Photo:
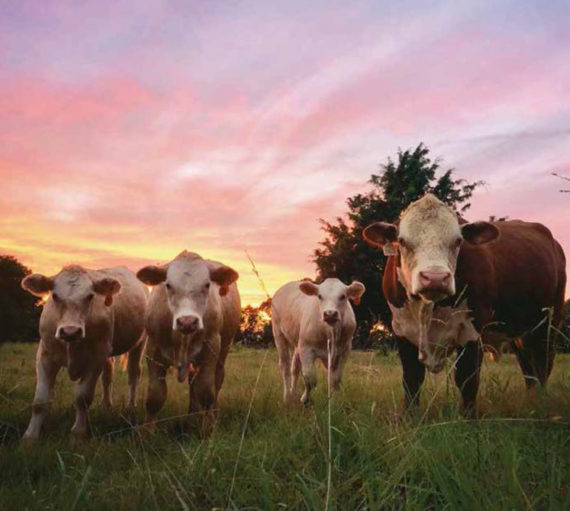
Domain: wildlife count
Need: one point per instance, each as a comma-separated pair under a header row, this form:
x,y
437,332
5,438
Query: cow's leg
x,y
541,351
84,393
467,371
284,357
46,373
295,370
107,381
413,372
523,357
307,358
156,395
134,371
337,368
203,398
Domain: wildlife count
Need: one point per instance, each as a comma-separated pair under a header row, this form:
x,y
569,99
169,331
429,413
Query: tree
x,y
19,312
344,253
255,328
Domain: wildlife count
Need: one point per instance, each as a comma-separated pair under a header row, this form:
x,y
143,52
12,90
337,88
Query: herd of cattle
x,y
449,284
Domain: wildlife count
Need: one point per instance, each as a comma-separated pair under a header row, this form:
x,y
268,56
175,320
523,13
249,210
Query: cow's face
x,y
333,298
429,238
72,293
188,285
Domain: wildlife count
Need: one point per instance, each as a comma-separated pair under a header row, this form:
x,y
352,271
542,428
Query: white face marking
x,y
435,334
72,296
187,288
430,238
333,300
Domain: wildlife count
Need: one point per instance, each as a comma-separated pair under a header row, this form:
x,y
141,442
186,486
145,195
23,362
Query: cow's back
x,y
516,276
289,308
128,309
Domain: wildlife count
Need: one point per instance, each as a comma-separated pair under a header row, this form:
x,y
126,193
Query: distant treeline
x,y
343,254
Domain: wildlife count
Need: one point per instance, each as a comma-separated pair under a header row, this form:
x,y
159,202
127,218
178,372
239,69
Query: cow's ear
x,y
224,276
152,275
355,291
478,233
108,287
309,288
38,285
380,233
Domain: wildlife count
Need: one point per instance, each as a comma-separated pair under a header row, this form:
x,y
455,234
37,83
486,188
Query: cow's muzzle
x,y
187,324
330,317
435,285
70,333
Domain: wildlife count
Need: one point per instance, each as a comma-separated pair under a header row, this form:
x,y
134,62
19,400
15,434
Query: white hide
x,y
435,332
430,224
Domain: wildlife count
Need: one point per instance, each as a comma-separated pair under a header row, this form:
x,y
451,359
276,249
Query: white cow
x,y
89,317
192,318
304,316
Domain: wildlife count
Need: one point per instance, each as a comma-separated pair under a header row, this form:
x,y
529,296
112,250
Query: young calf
x,y
193,315
304,316
89,317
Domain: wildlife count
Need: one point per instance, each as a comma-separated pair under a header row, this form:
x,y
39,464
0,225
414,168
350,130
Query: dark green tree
x,y
344,253
19,312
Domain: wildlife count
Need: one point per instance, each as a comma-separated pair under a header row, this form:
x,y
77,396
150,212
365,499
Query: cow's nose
x,y
330,317
69,333
435,279
187,324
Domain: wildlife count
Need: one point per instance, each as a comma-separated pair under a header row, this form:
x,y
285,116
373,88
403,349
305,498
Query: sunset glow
x,y
133,130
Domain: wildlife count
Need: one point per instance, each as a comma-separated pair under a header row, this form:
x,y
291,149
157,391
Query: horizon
x,y
129,135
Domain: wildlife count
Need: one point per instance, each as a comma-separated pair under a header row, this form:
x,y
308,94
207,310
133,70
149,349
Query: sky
x,y
131,130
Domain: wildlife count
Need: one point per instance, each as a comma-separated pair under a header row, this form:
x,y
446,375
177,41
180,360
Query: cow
x,y
304,317
449,282
89,317
192,317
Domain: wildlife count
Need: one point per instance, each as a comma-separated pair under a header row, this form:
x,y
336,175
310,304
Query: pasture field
x,y
516,457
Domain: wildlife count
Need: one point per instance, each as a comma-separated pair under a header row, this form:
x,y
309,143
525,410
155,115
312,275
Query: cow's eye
x,y
90,297
168,286
457,242
56,297
343,297
403,243
320,296
207,286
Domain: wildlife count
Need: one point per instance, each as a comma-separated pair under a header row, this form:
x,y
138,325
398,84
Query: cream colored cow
x,y
193,315
304,317
89,317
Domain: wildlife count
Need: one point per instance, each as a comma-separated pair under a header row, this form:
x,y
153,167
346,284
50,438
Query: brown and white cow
x,y
192,317
89,317
450,282
304,317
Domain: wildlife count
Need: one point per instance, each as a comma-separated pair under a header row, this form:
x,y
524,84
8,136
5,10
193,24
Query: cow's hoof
x,y
78,437
29,439
469,413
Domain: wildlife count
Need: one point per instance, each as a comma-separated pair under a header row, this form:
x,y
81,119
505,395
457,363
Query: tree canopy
x,y
344,253
19,314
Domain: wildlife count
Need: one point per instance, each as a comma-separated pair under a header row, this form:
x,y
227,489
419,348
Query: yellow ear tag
x,y
390,249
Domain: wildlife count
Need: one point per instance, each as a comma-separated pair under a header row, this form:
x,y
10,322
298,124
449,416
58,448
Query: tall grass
x,y
262,456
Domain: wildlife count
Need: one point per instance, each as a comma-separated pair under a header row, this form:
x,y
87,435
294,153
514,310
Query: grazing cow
x,y
304,316
89,317
192,317
451,282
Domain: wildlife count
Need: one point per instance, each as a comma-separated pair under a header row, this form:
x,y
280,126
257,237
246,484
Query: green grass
x,y
516,457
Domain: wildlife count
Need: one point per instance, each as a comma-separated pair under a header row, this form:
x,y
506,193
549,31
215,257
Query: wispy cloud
x,y
128,133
